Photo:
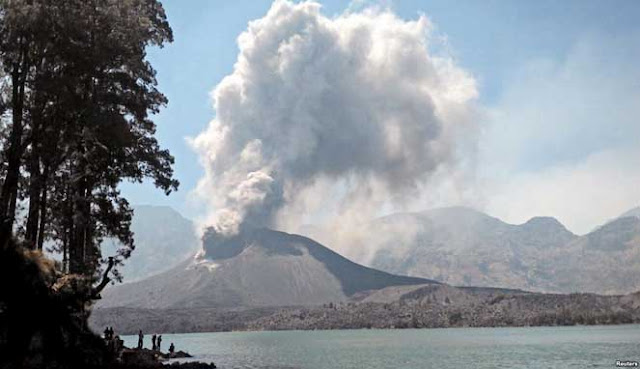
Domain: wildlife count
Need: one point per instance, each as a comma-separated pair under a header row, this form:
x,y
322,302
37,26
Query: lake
x,y
537,347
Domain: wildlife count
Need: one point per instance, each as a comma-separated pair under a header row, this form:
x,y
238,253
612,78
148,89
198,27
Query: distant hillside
x,y
258,267
458,246
163,238
441,306
264,279
606,260
461,246
411,306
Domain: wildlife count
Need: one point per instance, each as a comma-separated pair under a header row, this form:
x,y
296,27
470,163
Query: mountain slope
x,y
258,267
163,238
462,246
606,260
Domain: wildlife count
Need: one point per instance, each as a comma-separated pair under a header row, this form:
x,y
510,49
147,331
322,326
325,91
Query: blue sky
x,y
503,44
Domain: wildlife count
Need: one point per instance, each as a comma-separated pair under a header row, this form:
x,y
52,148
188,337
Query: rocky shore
x,y
149,359
43,321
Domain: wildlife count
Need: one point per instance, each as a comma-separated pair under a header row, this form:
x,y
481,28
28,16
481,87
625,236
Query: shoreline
x,y
394,329
439,311
228,350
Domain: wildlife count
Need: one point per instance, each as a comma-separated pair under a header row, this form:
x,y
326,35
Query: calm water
x,y
540,347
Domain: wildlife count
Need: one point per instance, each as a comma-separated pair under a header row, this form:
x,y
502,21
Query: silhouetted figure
x,y
172,348
140,339
153,342
159,342
108,333
111,342
117,345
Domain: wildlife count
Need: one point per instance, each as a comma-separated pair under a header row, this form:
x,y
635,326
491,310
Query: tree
x,y
82,96
18,28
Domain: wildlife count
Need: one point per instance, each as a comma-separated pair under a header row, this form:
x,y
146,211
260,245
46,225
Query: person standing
x,y
140,339
159,342
153,342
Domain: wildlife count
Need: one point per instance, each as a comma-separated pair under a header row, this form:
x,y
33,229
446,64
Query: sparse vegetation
x,y
424,307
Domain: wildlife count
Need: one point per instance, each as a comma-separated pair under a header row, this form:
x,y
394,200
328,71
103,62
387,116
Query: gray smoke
x,y
324,117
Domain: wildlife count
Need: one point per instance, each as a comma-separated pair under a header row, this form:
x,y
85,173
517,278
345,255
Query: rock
x,y
193,365
176,355
138,357
148,359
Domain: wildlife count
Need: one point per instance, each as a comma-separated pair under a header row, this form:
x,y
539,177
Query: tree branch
x,y
95,292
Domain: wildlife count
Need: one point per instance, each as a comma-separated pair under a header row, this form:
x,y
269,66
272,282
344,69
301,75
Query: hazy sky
x,y
558,100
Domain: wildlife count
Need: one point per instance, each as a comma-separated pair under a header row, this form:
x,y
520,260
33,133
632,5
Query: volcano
x,y
256,267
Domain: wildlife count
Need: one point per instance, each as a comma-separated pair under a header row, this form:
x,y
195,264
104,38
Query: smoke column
x,y
325,117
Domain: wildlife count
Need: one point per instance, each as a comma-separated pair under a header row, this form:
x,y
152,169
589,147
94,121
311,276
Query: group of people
x,y
113,342
116,344
108,333
156,342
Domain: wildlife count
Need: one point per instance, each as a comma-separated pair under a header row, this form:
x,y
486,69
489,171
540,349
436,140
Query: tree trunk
x,y
43,209
76,239
67,223
78,244
65,252
35,200
33,166
9,195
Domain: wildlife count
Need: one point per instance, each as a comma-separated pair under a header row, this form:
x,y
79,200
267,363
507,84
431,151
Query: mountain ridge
x,y
457,246
163,238
264,279
255,268
461,246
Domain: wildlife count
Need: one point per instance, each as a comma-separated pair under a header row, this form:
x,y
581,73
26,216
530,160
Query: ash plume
x,y
324,116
